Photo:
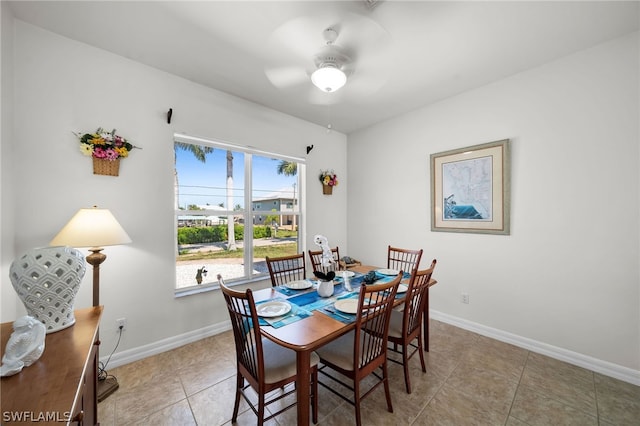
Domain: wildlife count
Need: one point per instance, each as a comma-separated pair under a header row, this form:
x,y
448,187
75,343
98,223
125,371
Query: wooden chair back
x,y
286,269
403,259
406,325
375,303
316,260
263,375
415,301
246,334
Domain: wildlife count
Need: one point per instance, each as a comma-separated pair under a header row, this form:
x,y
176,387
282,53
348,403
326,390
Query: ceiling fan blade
x,y
359,34
299,37
284,77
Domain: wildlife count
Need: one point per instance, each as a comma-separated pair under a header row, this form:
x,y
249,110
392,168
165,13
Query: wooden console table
x,y
61,386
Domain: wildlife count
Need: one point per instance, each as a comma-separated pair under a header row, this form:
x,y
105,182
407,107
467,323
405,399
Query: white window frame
x,y
248,212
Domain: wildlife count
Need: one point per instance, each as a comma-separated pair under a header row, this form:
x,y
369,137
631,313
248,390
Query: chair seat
x,y
339,352
280,362
395,324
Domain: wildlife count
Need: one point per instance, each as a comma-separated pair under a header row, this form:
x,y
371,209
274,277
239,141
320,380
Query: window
x,y
228,212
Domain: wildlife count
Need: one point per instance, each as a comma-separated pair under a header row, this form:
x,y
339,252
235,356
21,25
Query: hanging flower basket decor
x,y
328,179
106,149
106,167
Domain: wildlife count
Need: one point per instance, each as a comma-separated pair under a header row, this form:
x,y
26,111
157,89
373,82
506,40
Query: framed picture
x,y
470,189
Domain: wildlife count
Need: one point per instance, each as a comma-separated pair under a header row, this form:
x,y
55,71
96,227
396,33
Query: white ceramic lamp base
x,y
47,281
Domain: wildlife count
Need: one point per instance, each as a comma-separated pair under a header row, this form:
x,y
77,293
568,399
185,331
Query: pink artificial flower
x,y
111,154
99,152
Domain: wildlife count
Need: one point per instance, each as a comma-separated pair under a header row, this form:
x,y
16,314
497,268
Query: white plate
x,y
347,274
273,309
298,285
348,306
388,271
402,288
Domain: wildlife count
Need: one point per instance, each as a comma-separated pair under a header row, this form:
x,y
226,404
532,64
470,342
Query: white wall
x,y
62,86
8,305
567,276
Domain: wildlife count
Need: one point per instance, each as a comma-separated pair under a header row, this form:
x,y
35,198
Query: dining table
x,y
315,322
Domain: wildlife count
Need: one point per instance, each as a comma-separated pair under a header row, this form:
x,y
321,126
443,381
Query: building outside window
x,y
233,207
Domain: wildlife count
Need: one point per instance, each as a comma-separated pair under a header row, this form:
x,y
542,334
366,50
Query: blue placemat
x,y
290,292
295,314
340,316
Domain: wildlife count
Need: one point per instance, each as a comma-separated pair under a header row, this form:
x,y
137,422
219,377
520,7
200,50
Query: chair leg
x,y
424,368
314,394
356,395
236,406
385,377
405,366
260,409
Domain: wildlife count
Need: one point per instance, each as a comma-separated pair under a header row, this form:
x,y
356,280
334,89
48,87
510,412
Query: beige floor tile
x,y
423,387
450,339
488,388
148,370
175,414
451,406
567,383
509,368
560,369
143,400
214,405
107,412
512,421
341,415
618,401
537,408
501,350
198,376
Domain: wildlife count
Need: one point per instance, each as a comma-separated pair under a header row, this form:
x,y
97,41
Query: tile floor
x,y
470,380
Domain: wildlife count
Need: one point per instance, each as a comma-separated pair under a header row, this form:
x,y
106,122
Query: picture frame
x,y
471,189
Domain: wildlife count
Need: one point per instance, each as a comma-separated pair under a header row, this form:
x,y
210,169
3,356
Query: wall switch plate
x,y
464,298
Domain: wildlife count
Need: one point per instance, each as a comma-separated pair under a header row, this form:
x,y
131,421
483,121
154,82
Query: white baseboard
x,y
603,367
141,352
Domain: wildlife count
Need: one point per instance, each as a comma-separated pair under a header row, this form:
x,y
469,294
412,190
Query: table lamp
x,y
92,228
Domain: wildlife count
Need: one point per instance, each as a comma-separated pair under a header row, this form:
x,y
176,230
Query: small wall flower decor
x,y
106,149
329,179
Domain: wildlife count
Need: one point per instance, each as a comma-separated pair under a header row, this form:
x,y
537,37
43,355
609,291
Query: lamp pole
x,y
95,259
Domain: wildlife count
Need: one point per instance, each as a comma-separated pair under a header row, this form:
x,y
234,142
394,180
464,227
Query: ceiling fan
x,y
333,58
331,63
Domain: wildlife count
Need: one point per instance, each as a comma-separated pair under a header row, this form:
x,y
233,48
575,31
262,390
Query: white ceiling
x,y
408,54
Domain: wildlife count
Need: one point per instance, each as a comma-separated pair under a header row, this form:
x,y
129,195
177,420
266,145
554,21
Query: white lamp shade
x,y
329,78
91,228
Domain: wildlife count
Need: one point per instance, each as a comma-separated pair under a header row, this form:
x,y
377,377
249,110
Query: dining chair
x,y
316,260
362,351
405,326
403,259
265,365
286,269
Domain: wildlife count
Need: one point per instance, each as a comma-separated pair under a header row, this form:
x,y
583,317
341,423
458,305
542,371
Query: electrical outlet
x,y
464,298
121,323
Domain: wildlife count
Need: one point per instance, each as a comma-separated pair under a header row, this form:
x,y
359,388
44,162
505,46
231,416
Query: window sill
x,y
205,288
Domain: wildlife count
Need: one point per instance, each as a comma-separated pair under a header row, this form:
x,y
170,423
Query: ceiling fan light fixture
x,y
328,78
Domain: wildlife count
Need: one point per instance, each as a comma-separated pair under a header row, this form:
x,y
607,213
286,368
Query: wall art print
x,y
470,189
